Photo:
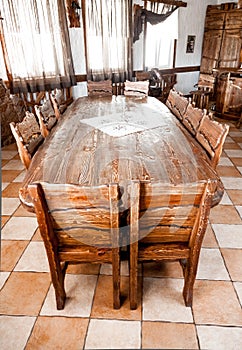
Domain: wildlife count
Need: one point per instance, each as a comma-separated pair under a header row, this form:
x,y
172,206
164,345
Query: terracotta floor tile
x,y
37,236
79,291
211,265
113,334
12,190
226,200
106,269
228,171
222,338
9,175
20,177
4,185
10,253
230,145
240,169
224,214
58,333
215,302
103,301
4,161
21,228
228,236
4,219
235,196
33,259
233,261
15,331
236,161
209,240
21,211
160,292
12,147
8,154
239,210
24,293
161,335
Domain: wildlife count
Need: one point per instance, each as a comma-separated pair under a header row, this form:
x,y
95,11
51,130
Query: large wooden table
x,y
116,139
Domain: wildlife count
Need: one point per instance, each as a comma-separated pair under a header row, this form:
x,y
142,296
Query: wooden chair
x,y
78,224
168,222
136,88
192,118
177,104
211,135
61,99
28,137
46,116
99,88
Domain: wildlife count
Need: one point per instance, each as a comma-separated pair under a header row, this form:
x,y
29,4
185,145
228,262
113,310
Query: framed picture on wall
x,y
190,43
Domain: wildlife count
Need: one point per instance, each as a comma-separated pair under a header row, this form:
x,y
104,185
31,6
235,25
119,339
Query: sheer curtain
x,y
108,39
37,44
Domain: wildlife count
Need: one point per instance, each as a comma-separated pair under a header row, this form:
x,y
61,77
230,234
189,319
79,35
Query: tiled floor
x,y
28,316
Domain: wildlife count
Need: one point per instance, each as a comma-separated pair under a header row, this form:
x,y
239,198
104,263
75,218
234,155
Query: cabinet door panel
x,y
230,49
233,19
211,49
214,20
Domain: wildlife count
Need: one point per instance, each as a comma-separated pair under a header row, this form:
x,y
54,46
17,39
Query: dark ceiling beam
x,y
170,2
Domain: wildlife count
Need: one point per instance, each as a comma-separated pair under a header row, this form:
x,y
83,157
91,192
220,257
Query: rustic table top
x,y
118,139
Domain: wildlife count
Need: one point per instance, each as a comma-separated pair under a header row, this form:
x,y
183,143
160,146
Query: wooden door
x,y
211,50
230,49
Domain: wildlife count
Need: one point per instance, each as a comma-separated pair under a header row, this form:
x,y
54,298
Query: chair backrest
x,y
100,88
61,99
211,135
170,213
46,116
192,118
177,103
79,215
28,137
136,88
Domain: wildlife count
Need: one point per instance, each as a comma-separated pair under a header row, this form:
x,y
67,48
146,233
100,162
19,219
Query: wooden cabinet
x,y
222,39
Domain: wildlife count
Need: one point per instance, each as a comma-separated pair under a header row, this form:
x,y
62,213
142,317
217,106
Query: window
x,y
37,44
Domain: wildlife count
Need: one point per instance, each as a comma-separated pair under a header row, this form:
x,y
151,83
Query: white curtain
x,y
160,42
37,44
108,39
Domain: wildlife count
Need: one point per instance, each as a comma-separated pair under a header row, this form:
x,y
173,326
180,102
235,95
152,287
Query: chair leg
x,y
189,279
57,277
133,276
116,278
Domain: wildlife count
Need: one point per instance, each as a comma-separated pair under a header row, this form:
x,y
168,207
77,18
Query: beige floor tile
x,y
232,183
228,236
58,333
235,196
158,293
239,210
215,302
238,288
79,291
106,269
233,261
85,269
225,200
8,154
235,134
209,240
4,185
225,161
21,211
224,214
33,259
211,265
15,332
228,171
103,301
3,278
10,253
222,338
21,228
9,205
162,269
23,293
161,335
9,175
12,190
113,334
230,145
13,164
20,177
